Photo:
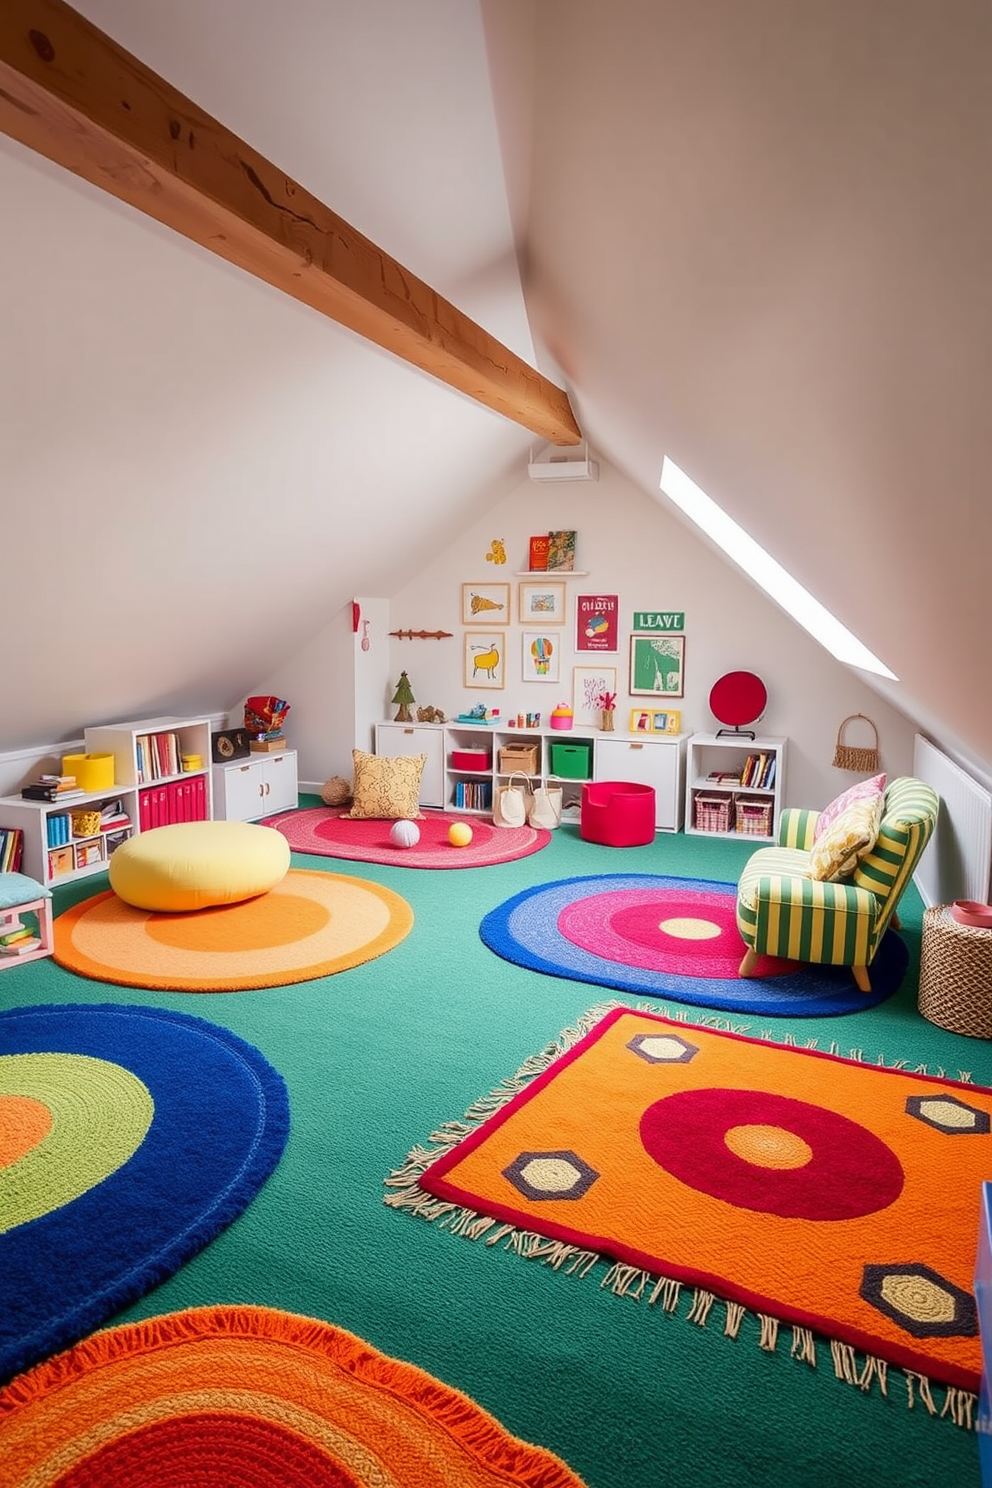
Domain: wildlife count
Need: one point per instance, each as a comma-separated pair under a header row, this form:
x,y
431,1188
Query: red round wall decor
x,y
738,699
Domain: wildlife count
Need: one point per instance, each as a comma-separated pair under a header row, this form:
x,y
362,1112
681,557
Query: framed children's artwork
x,y
485,659
485,604
596,627
651,721
657,664
589,685
542,603
540,656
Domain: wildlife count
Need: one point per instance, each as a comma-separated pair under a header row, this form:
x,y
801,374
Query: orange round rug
x,y
222,1395
310,925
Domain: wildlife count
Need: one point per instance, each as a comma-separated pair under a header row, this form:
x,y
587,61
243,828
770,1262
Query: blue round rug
x,y
131,1137
672,937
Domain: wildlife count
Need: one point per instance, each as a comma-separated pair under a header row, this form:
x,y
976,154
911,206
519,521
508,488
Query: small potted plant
x,y
404,696
607,701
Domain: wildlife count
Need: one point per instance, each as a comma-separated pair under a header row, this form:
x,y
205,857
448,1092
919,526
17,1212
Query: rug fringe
x,y
623,1280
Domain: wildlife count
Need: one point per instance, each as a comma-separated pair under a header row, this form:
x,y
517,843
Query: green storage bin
x,y
572,761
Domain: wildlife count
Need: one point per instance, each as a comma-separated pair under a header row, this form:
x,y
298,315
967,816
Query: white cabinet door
x,y
281,792
239,791
646,762
395,739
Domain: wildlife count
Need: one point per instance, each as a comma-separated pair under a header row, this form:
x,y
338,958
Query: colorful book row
x,y
471,795
181,801
11,849
157,756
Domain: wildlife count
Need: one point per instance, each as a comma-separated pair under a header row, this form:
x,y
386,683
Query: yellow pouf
x,y
459,834
193,865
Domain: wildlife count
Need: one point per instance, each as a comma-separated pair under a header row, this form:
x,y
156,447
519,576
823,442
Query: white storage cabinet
x,y
395,739
248,789
657,761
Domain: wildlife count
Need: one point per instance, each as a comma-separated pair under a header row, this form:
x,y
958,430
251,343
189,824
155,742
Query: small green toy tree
x,y
404,696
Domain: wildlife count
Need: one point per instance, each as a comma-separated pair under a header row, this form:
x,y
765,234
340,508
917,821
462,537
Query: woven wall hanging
x,y
853,757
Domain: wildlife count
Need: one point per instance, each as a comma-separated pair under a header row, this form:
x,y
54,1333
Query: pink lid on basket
x,y
972,912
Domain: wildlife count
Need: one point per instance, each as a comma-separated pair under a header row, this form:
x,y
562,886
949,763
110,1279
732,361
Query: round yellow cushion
x,y
193,865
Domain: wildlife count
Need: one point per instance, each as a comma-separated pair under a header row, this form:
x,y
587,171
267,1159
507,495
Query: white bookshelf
x,y
708,754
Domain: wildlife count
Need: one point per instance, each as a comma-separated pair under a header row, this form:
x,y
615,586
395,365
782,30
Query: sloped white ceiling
x,y
760,241
278,463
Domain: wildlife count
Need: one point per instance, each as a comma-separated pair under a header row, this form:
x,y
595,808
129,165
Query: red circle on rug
x,y
850,1172
214,1448
684,932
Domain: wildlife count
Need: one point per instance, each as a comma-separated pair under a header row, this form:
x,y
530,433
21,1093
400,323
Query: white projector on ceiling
x,y
557,463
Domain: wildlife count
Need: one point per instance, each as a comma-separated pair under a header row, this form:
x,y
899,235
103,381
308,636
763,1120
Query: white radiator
x,y
957,863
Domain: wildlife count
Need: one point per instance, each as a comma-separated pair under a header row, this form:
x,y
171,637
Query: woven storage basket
x,y
851,757
956,974
752,816
711,813
85,823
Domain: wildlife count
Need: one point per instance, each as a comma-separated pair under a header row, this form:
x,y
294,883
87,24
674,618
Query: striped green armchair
x,y
781,911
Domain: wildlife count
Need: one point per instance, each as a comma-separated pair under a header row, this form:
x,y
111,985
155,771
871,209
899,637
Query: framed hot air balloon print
x,y
542,603
485,604
541,656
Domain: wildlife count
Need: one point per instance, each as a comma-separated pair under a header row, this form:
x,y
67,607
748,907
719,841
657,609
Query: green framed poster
x,y
657,666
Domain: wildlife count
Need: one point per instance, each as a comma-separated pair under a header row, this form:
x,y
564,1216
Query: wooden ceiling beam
x,y
68,91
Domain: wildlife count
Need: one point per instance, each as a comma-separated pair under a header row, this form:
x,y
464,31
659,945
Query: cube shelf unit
x,y
727,808
657,761
164,795
53,855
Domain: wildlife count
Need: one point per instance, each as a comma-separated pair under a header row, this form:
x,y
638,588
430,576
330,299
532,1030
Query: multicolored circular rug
x,y
672,937
310,925
327,832
223,1395
130,1137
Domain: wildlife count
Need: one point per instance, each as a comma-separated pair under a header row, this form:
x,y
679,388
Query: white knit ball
x,y
404,834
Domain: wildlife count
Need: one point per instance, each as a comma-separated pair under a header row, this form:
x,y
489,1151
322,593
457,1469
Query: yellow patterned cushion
x,y
386,788
846,841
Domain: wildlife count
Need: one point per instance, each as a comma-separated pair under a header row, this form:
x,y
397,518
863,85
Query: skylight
x,y
764,569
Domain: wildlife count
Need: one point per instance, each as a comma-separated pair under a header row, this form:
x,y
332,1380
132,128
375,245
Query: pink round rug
x,y
326,832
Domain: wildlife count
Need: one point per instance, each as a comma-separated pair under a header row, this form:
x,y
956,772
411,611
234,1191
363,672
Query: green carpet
x,y
379,1055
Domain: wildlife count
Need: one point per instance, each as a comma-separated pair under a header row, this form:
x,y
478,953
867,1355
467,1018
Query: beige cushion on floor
x,y
193,865
386,788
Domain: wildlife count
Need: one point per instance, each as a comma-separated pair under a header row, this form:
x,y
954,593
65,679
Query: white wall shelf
x,y
657,760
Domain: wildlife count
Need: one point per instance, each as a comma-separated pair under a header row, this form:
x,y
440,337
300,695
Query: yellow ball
x,y
459,834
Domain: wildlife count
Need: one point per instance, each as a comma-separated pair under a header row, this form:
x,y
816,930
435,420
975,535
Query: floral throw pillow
x,y
386,789
865,790
837,853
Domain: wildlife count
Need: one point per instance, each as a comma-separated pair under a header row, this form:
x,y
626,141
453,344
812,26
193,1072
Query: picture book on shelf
x,y
561,550
537,553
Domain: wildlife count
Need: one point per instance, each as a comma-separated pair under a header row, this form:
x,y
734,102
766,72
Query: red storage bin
x,y
469,759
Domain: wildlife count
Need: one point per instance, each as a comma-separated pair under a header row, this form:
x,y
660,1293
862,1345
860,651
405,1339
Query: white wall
x,y
633,548
336,690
